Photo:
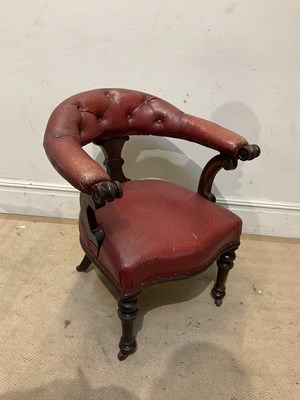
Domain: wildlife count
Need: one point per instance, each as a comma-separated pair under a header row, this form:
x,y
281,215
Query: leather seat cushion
x,y
158,231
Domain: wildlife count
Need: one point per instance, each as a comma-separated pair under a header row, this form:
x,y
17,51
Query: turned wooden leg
x,y
84,265
127,312
225,263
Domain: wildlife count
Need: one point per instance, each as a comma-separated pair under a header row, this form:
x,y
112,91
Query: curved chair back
x,y
102,114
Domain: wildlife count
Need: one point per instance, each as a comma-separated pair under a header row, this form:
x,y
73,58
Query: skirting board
x,y
62,201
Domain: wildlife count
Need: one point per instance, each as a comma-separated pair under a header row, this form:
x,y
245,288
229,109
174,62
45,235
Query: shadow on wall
x,y
157,157
240,119
151,156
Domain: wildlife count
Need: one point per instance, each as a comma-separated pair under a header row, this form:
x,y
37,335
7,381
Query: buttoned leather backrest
x,y
105,113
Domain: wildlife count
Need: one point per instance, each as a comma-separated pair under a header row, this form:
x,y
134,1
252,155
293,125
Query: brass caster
x,y
216,296
79,268
122,356
218,302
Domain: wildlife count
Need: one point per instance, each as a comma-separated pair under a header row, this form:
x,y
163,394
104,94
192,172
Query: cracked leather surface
x,y
105,113
159,231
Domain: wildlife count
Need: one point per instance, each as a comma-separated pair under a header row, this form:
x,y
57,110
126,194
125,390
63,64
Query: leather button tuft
x,y
128,116
146,102
80,109
159,121
107,95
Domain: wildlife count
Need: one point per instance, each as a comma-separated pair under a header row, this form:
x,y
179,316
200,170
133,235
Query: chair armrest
x,y
212,135
102,114
63,145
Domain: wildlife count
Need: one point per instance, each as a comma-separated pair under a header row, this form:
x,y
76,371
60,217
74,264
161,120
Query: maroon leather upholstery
x,y
158,231
104,113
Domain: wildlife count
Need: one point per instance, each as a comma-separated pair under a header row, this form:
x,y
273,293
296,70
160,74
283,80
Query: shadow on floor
x,y
188,373
76,389
201,370
165,293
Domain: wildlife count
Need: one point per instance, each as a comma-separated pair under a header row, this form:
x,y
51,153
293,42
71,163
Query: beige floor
x,y
59,328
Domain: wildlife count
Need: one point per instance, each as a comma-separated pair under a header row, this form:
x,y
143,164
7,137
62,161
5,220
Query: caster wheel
x,y
80,269
218,302
122,356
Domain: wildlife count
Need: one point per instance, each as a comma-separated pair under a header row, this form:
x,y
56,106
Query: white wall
x,y
233,62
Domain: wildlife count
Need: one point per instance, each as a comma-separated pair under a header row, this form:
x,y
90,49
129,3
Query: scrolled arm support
x,y
102,193
247,152
210,171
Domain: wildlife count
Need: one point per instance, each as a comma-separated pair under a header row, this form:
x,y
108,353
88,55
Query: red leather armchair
x,y
145,231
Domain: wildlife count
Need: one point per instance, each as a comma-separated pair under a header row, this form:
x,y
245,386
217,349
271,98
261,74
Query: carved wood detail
x,y
210,171
225,264
249,152
88,207
128,310
102,192
112,149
